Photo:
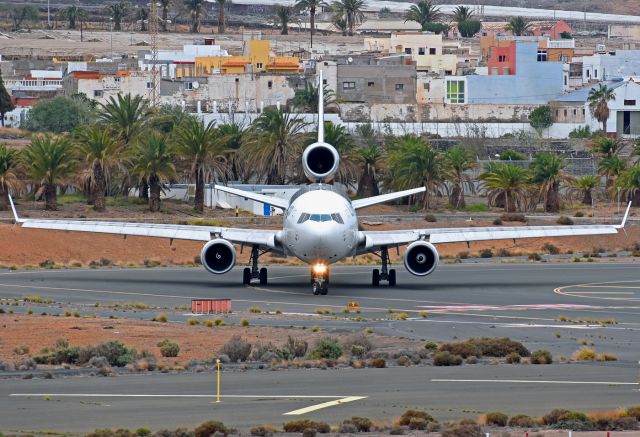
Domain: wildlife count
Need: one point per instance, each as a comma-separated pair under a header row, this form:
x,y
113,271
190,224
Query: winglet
x,y
320,109
13,208
624,219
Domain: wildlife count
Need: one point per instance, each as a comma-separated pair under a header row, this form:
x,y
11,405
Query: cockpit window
x,y
320,218
303,217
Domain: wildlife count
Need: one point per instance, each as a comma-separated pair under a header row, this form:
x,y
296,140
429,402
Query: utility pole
x,y
48,14
153,33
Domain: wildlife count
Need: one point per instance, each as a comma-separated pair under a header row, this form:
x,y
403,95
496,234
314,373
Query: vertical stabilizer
x,y
320,109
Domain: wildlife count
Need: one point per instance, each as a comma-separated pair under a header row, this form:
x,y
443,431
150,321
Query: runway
x,y
544,305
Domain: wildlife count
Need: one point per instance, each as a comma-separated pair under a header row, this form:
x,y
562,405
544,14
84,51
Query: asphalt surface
x,y
546,306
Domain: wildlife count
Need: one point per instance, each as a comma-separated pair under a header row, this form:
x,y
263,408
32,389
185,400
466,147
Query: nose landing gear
x,y
255,272
385,274
320,279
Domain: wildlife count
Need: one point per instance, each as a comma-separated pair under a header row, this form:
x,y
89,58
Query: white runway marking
x,y
324,405
530,381
337,400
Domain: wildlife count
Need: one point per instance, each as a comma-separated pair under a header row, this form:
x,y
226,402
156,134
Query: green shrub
x,y
534,257
513,358
634,412
521,421
564,220
408,415
293,348
497,221
497,419
486,346
362,424
513,217
445,358
208,429
554,416
430,346
327,348
553,250
244,323
162,318
193,322
463,430
236,349
486,253
309,432
302,424
168,348
430,218
143,432
541,357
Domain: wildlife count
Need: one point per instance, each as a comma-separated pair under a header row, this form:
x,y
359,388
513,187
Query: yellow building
x,y
258,59
441,64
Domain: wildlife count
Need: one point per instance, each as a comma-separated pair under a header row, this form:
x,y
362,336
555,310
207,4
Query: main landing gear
x,y
254,272
385,274
320,279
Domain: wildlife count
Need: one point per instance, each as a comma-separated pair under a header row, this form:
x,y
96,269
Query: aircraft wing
x,y
373,240
368,201
269,200
264,238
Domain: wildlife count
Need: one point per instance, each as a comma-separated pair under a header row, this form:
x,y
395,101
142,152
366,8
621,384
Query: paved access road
x,y
546,306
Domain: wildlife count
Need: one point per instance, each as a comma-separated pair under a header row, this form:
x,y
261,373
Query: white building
x,y
173,61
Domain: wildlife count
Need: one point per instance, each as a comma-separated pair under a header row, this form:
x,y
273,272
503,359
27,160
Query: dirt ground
x,y
38,332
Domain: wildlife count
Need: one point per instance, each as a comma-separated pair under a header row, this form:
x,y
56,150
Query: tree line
x,y
126,144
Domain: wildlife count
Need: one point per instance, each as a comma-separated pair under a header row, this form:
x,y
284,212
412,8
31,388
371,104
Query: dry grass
x,y
608,415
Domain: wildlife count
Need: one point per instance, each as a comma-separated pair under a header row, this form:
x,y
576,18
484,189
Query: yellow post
x,y
218,366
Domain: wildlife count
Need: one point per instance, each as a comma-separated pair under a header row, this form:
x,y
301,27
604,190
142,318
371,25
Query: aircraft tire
x,y
263,276
246,276
375,280
392,278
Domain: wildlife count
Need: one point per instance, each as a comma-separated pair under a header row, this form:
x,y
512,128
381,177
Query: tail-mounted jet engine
x,y
218,256
320,161
421,258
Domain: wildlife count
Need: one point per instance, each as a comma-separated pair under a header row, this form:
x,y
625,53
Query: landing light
x,y
319,269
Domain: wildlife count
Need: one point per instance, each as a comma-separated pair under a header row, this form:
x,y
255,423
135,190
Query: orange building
x,y
502,59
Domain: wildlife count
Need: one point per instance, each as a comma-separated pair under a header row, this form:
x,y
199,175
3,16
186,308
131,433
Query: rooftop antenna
x,y
153,33
320,109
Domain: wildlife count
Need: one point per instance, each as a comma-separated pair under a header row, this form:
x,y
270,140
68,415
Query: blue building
x,y
534,82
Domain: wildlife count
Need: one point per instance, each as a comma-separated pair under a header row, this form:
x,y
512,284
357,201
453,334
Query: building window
x,y
565,113
97,93
188,86
502,58
583,112
324,81
556,112
448,72
426,86
564,58
595,73
432,51
116,79
542,56
370,84
575,111
399,86
259,65
407,50
588,73
629,103
149,85
565,80
455,91
348,85
421,51
270,84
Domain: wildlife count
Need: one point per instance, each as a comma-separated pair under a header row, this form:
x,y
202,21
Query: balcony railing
x,y
34,84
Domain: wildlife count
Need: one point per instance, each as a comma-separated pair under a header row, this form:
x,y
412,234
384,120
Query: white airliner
x,y
320,228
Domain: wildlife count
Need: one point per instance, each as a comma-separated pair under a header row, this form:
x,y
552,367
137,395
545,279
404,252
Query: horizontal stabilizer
x,y
269,200
362,203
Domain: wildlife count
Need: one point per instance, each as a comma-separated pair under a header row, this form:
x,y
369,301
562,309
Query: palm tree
x,y
548,173
307,99
606,147
585,187
518,26
277,145
312,6
462,13
341,24
221,5
200,144
283,16
126,115
9,180
50,162
101,151
414,163
164,5
611,168
118,12
233,137
599,103
142,15
72,14
629,184
195,9
370,155
351,11
508,184
152,161
459,161
424,12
